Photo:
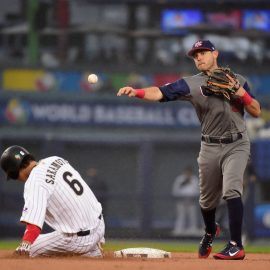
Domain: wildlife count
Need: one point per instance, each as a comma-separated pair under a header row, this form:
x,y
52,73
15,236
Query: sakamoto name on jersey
x,y
52,170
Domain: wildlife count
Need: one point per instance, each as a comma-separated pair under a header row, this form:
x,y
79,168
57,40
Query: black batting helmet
x,y
12,159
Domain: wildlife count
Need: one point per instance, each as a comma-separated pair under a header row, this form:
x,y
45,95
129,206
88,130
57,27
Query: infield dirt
x,y
178,261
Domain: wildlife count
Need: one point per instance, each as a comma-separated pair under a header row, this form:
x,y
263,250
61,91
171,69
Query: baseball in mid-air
x,y
92,78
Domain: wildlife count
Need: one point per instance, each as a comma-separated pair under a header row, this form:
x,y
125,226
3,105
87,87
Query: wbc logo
x,y
198,44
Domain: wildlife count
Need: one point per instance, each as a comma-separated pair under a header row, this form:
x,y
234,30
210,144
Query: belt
x,y
84,233
225,140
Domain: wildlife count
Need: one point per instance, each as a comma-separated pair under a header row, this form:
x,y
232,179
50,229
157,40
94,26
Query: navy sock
x,y
235,212
209,220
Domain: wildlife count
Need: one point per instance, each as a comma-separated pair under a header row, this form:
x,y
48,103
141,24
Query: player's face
x,y
205,60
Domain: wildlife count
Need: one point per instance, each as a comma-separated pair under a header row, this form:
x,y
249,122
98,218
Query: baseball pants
x,y
57,244
221,171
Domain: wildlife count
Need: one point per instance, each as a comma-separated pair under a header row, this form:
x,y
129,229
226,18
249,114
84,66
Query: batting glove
x,y
23,249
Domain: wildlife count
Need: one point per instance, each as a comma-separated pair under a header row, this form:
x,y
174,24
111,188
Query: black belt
x,y
233,138
84,233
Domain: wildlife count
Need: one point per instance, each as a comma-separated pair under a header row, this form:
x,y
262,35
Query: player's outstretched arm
x,y
150,93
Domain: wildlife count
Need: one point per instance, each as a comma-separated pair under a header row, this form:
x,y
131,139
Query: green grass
x,y
9,244
172,246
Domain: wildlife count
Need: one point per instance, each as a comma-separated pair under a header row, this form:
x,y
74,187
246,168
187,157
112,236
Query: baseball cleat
x,y
231,252
205,246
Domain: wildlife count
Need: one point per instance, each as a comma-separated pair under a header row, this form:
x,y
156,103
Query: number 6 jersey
x,y
56,193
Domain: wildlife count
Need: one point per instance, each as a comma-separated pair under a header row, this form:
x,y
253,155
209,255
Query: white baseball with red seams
x,y
56,193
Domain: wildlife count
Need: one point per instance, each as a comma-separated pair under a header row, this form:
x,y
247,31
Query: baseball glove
x,y
219,84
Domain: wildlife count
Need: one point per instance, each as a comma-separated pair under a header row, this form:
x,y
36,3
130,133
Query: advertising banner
x,y
27,111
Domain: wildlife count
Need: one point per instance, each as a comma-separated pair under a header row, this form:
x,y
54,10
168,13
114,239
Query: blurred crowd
x,y
81,33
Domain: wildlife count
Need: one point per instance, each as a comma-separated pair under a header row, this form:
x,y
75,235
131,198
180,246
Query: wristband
x,y
246,99
140,93
31,233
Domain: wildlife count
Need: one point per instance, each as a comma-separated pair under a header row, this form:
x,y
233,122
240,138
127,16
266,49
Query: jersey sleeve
x,y
35,197
176,90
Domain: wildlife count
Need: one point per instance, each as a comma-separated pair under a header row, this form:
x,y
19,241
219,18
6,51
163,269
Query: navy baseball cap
x,y
202,45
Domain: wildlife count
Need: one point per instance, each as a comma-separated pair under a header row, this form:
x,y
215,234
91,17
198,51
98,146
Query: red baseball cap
x,y
201,45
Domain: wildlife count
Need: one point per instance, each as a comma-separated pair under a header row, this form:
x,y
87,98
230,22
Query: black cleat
x,y
205,247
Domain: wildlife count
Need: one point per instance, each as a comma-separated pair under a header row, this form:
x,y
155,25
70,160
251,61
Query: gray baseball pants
x,y
221,171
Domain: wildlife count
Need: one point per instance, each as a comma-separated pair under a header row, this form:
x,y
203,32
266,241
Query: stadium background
x,y
47,49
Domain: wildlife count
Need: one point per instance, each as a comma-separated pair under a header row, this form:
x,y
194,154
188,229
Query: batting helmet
x,y
12,159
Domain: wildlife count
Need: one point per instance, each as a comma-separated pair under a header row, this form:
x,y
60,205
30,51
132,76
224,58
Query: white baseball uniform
x,y
56,193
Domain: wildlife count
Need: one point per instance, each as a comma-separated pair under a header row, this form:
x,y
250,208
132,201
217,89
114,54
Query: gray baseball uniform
x,y
225,147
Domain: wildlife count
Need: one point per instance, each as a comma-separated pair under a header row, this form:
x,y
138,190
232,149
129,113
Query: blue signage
x,y
25,111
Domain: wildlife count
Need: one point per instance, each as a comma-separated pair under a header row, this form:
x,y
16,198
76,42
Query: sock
x,y
209,220
235,212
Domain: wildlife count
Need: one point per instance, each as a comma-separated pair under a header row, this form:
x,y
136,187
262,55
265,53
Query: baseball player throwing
x,y
225,147
54,192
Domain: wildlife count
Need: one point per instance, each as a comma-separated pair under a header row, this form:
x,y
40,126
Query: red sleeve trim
x,y
31,233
